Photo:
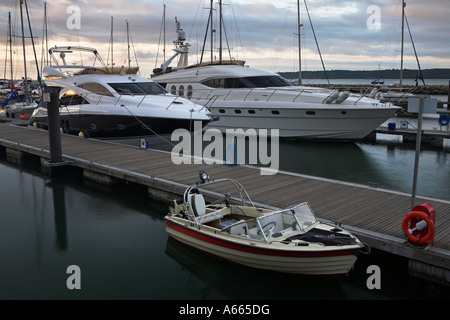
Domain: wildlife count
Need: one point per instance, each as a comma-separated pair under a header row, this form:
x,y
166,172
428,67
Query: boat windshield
x,y
276,224
138,88
248,82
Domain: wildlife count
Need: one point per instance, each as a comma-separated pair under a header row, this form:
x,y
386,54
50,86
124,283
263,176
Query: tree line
x,y
369,74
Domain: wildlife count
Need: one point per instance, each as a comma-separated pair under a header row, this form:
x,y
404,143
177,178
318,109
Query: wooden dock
x,y
429,138
374,215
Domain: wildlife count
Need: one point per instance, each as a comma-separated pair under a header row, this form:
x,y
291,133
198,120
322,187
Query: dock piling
x,y
51,97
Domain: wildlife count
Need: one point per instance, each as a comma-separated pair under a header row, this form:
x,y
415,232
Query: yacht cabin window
x,y
248,82
70,99
138,88
96,88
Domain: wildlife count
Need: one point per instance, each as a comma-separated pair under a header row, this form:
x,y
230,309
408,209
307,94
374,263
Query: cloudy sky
x,y
352,34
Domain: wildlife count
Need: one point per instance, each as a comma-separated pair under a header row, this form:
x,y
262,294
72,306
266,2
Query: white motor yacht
x,y
245,97
114,102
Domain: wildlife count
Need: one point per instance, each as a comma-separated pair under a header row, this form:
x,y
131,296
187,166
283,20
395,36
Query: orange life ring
x,y
422,236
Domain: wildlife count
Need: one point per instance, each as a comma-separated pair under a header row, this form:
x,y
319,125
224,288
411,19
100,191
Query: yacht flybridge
x,y
113,102
245,97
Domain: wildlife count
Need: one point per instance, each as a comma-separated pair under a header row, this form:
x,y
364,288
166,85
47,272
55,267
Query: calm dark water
x,y
117,238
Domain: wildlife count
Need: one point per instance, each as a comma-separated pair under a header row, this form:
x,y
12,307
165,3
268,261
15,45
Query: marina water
x,y
117,239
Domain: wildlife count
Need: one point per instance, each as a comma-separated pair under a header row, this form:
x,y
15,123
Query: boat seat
x,y
210,216
199,208
198,204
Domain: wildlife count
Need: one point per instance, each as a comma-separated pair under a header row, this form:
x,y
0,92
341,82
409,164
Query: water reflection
x,y
59,207
209,277
119,242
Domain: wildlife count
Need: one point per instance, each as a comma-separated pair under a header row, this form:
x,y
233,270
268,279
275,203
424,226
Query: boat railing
x,y
200,191
367,93
98,97
246,94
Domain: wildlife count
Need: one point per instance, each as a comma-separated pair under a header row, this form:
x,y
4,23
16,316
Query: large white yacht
x,y
114,102
245,97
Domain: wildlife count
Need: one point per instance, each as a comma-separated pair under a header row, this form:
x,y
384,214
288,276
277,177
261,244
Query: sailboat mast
x,y
299,44
212,32
164,33
10,49
26,90
46,34
128,45
403,32
220,31
112,43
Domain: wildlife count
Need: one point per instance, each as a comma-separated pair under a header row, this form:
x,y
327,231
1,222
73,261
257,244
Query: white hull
x,y
297,112
302,122
324,262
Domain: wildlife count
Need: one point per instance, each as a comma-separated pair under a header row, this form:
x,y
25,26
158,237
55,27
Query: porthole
x,y
189,92
173,90
310,113
221,110
251,111
181,91
237,111
275,112
344,112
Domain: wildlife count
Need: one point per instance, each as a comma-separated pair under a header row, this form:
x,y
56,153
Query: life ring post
x,y
444,120
419,225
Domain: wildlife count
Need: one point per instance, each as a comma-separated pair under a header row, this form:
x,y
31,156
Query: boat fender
x,y
373,93
342,97
444,120
418,227
366,249
332,97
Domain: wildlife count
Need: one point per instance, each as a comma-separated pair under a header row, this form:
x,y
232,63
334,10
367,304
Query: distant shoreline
x,y
369,74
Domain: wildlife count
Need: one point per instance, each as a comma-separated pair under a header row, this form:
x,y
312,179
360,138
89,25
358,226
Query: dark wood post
x,y
51,97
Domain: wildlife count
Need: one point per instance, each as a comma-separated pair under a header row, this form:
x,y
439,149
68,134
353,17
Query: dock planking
x,y
373,214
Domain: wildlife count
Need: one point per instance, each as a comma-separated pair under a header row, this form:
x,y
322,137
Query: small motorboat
x,y
229,226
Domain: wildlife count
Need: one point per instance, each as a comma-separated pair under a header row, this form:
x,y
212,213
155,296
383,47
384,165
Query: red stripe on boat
x,y
248,248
